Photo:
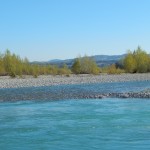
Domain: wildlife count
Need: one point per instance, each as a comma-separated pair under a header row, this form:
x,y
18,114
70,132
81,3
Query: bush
x,y
35,76
64,70
76,67
130,64
53,70
85,65
112,69
137,61
12,75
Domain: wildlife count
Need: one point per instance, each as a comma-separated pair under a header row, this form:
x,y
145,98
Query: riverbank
x,y
130,89
28,81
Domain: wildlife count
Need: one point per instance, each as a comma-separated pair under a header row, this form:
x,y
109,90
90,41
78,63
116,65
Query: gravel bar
x,y
49,80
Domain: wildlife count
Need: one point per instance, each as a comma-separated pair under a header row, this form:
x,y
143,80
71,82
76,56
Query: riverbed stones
x,y
49,80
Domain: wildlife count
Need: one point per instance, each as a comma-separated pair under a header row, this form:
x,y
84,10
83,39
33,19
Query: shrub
x,y
12,75
85,65
53,70
137,61
76,67
64,70
113,70
130,64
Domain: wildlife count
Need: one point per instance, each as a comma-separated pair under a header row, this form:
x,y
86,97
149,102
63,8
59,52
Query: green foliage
x,y
137,61
13,65
53,70
112,69
142,60
130,63
12,74
35,71
64,70
76,67
85,65
2,69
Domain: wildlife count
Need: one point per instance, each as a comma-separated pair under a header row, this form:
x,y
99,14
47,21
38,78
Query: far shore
x,y
49,80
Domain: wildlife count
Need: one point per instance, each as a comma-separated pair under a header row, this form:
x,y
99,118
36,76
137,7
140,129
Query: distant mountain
x,y
107,57
101,60
106,60
55,60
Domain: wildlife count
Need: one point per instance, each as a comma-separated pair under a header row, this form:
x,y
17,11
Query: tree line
x,y
13,65
137,61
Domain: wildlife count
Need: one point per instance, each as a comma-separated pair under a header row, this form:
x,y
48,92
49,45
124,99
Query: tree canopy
x,y
137,61
85,65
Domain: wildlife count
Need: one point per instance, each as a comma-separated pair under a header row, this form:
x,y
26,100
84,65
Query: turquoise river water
x,y
107,124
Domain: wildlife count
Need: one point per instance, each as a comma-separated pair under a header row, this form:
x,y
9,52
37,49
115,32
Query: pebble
x,y
49,80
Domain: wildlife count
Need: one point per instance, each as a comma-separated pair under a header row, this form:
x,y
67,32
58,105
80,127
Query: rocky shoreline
x,y
119,95
75,87
131,95
48,95
28,81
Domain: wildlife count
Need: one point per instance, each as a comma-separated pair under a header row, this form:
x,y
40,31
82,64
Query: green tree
x,y
138,61
88,66
7,61
112,69
2,69
130,64
142,60
76,67
85,65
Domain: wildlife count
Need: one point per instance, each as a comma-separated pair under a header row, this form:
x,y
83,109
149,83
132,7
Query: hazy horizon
x,y
75,57
63,29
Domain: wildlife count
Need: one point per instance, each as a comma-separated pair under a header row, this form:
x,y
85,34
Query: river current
x,y
41,122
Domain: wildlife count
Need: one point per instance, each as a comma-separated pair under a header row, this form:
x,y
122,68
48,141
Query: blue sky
x,y
48,29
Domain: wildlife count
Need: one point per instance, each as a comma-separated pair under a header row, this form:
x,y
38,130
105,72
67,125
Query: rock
x,y
124,95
